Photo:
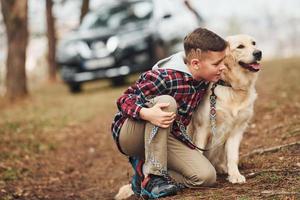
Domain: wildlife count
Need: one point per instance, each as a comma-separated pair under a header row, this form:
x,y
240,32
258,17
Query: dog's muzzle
x,y
254,66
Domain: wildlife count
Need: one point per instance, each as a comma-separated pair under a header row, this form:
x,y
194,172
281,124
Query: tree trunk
x,y
51,41
84,8
15,19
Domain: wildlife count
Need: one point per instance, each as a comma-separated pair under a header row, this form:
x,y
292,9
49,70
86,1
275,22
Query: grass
x,y
243,198
270,178
7,197
27,127
53,107
10,174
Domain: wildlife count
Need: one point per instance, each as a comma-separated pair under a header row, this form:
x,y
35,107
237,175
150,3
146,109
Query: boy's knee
x,y
210,177
203,177
168,99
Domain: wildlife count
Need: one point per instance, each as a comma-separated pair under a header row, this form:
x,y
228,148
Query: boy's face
x,y
209,67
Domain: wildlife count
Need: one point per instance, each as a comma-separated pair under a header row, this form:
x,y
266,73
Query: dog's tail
x,y
124,192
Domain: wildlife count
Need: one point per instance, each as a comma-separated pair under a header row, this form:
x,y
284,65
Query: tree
x,y
84,8
15,20
51,41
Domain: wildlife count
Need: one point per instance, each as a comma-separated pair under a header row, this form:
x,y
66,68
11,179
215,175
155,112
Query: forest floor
x,y
55,145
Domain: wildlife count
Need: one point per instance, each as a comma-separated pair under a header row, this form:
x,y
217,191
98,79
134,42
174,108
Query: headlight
x,y
78,47
112,43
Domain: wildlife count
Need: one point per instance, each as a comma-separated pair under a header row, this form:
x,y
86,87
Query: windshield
x,y
117,15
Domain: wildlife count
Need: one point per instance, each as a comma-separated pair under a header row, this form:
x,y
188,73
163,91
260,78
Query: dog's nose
x,y
257,54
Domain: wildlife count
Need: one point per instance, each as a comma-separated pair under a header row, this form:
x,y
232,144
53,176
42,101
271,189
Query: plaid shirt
x,y
187,92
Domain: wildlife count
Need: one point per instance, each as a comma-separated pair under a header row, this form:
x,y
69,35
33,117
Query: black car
x,y
122,38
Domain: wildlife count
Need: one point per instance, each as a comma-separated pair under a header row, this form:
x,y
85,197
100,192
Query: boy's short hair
x,y
203,39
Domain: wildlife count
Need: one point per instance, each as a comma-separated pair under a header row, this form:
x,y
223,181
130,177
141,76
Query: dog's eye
x,y
241,46
254,43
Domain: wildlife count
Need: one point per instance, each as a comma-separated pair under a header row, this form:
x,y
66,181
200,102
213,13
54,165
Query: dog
x,y
234,108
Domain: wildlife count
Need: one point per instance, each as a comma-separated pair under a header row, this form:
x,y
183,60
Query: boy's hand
x,y
156,116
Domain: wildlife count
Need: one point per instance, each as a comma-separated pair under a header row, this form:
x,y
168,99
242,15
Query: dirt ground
x,y
85,164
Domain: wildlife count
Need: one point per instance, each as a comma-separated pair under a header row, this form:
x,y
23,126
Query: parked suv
x,y
122,38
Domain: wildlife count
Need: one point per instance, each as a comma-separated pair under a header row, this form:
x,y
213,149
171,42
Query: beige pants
x,y
163,152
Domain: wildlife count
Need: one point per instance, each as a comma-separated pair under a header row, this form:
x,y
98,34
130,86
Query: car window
x,y
118,15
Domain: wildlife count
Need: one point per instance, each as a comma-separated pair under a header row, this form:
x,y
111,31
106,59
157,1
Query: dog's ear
x,y
229,61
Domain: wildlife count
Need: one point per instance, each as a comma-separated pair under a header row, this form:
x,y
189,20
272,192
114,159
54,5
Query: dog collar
x,y
213,112
213,101
223,83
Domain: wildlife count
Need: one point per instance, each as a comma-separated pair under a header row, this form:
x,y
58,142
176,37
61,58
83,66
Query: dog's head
x,y
244,52
242,61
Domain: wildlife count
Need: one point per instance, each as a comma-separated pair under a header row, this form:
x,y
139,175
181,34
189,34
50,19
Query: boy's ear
x,y
195,63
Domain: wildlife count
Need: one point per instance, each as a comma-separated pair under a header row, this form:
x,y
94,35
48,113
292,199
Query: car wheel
x,y
118,81
75,87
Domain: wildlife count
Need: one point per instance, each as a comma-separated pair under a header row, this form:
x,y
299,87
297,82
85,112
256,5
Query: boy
x,y
150,126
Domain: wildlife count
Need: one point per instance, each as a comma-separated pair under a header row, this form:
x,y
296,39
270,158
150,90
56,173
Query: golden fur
x,y
234,109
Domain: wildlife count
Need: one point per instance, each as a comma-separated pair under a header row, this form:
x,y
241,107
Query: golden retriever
x,y
234,108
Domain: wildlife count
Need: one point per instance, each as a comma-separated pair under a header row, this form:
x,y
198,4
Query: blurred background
x,y
55,120
119,47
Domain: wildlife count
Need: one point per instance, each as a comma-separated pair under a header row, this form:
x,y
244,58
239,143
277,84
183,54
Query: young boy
x,y
150,126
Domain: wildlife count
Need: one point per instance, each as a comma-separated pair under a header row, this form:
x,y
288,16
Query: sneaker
x,y
138,177
154,186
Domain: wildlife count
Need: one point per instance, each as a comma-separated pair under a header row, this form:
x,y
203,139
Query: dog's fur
x,y
234,107
234,110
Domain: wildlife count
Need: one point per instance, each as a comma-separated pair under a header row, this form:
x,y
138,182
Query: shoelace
x,y
170,180
155,181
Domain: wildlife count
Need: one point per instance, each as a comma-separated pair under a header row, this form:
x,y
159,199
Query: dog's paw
x,y
236,178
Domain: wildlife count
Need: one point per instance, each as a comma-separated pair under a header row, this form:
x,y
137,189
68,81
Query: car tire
x,y
75,87
118,81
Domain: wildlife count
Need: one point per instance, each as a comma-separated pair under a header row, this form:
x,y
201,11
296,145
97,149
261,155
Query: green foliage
x,y
10,174
269,177
27,128
243,198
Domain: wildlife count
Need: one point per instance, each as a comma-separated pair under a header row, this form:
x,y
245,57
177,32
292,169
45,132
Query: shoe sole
x,y
148,195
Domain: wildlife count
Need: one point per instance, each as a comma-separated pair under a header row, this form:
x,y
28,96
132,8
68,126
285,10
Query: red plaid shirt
x,y
187,92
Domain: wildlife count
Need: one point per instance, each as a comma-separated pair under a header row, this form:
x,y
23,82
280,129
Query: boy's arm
x,y
132,103
156,116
